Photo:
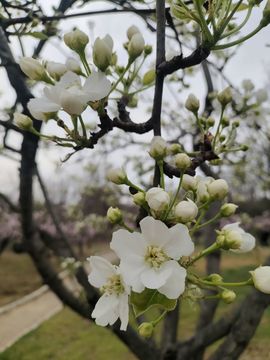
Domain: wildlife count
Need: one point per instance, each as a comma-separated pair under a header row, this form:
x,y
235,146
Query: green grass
x,y
68,337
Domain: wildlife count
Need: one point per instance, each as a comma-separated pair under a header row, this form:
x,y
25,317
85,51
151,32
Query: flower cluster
x,y
156,264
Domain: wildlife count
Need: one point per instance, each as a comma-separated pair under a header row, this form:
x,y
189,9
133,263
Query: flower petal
x,y
131,271
101,270
123,311
127,244
155,278
154,231
105,306
175,285
247,244
180,243
97,86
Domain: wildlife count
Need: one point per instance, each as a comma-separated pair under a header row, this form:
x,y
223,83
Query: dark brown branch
x,y
10,204
29,18
179,62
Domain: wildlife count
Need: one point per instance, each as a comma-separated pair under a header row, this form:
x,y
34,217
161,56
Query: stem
x,y
199,123
216,217
218,128
121,76
83,126
155,322
233,31
129,183
205,29
85,63
161,171
236,42
229,284
204,252
175,196
126,227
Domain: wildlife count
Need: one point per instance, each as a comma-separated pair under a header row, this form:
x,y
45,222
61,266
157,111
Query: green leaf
x,y
148,299
37,34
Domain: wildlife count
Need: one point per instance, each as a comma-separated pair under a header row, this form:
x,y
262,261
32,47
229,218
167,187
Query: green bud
x,y
225,97
228,209
149,77
146,329
23,122
174,149
117,176
244,147
266,15
76,40
182,161
210,122
139,198
148,49
236,123
114,215
225,121
192,104
215,278
228,296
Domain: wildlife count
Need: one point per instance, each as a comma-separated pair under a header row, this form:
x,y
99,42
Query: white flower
x,y
73,65
102,52
132,30
218,189
68,94
186,211
261,279
236,239
136,45
157,199
158,148
32,68
202,192
150,259
55,69
189,182
113,304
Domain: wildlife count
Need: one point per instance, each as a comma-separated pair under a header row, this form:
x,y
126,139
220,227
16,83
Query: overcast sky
x,y
252,61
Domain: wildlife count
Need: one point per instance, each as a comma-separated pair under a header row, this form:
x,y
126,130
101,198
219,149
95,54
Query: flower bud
x,y
210,122
228,209
146,329
247,85
158,148
76,40
117,176
23,122
132,30
233,237
218,189
261,279
228,296
114,215
148,50
202,193
136,46
266,15
174,149
189,183
32,68
182,161
157,199
192,103
215,278
186,211
225,96
55,69
73,65
139,198
102,52
149,77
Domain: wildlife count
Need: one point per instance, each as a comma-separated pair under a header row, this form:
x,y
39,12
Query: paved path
x,y
26,314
